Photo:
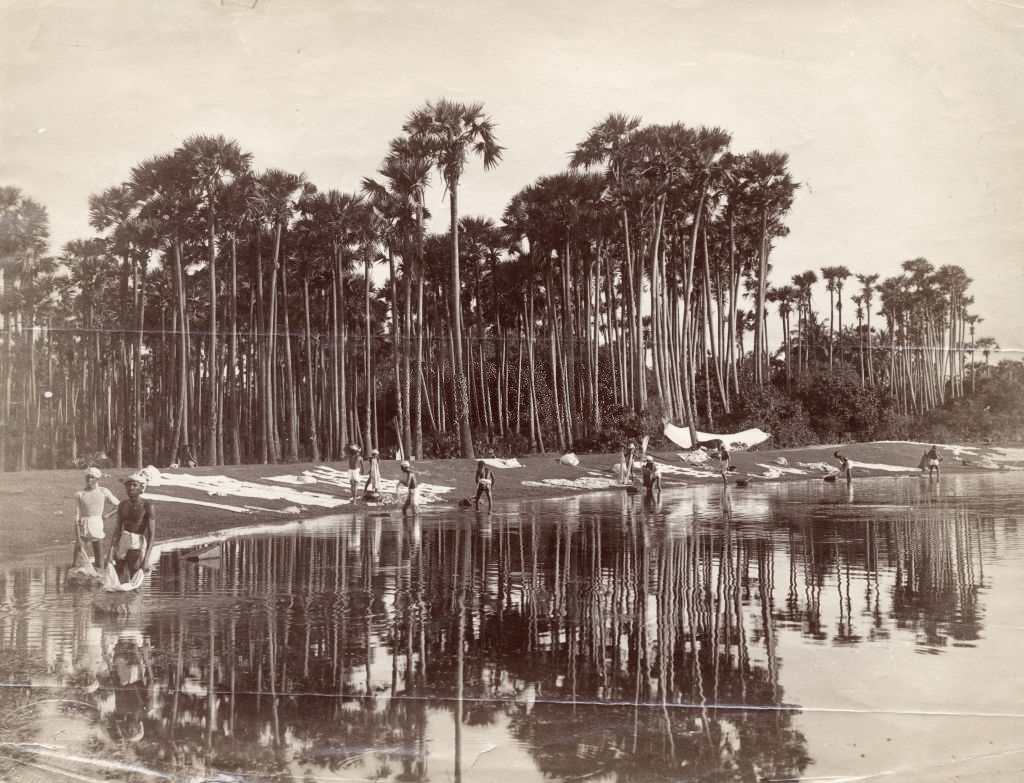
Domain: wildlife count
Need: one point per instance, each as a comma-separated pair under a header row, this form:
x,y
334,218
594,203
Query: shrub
x,y
774,411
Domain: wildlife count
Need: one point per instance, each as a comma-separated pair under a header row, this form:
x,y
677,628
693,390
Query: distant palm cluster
x,y
240,313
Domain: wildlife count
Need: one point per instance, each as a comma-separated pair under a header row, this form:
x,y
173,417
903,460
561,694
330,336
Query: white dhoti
x,y
129,541
91,528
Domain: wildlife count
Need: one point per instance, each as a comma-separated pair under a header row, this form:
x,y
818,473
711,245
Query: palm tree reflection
x,y
642,645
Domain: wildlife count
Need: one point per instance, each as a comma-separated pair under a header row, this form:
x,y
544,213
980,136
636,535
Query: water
x,y
784,632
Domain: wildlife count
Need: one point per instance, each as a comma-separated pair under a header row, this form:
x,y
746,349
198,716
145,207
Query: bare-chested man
x,y
136,528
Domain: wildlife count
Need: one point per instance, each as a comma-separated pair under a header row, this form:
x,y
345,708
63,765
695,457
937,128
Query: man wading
x,y
89,516
136,527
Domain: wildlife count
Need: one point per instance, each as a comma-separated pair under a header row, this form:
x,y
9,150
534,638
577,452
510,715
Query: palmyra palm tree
x,y
167,203
210,163
450,131
400,197
834,277
867,292
972,323
771,189
987,345
610,144
277,197
804,284
785,296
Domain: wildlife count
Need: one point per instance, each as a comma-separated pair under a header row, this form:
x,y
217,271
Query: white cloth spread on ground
x,y
737,440
223,486
496,462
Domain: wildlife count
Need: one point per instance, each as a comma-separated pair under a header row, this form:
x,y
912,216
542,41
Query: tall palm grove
x,y
251,316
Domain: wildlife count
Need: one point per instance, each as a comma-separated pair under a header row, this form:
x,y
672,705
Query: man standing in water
x,y
934,458
89,516
651,476
845,466
484,482
412,499
723,462
136,528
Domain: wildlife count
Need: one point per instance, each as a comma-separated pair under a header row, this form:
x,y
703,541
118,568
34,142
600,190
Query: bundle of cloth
x,y
107,579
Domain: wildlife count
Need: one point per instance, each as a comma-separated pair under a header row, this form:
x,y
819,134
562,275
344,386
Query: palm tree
x,y
131,238
987,346
785,296
450,131
867,291
406,173
804,283
834,277
212,162
278,194
167,202
24,232
771,189
610,143
972,323
88,266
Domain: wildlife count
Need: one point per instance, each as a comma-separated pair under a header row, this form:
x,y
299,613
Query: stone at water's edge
x,y
120,604
82,580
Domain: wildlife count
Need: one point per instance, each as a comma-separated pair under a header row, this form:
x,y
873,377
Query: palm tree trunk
x,y
212,372
262,343
418,402
137,387
233,391
368,390
314,443
461,389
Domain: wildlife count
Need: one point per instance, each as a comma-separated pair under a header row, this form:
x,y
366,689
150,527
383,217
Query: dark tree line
x,y
257,318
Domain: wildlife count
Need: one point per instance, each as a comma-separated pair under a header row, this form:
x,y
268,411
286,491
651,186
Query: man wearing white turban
x,y
136,527
89,516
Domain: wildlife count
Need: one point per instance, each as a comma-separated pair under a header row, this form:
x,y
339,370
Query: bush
x,y
771,409
840,409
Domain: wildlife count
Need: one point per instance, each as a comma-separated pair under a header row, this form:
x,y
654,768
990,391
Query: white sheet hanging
x,y
738,440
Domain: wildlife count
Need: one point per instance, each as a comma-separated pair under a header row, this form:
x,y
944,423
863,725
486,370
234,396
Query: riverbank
x,y
36,508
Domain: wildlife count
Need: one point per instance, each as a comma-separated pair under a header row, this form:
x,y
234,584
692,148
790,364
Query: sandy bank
x,y
36,511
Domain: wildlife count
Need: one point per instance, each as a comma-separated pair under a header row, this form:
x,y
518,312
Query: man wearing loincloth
x,y
89,516
136,528
412,498
845,467
484,482
651,476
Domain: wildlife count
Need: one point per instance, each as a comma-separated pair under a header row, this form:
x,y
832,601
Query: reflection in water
x,y
620,639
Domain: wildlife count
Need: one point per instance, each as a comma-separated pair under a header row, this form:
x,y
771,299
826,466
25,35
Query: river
x,y
794,631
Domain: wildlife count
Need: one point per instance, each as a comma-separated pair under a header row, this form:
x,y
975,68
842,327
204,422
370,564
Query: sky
x,y
904,121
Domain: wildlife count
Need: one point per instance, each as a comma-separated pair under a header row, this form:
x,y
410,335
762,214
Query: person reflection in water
x,y
129,680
